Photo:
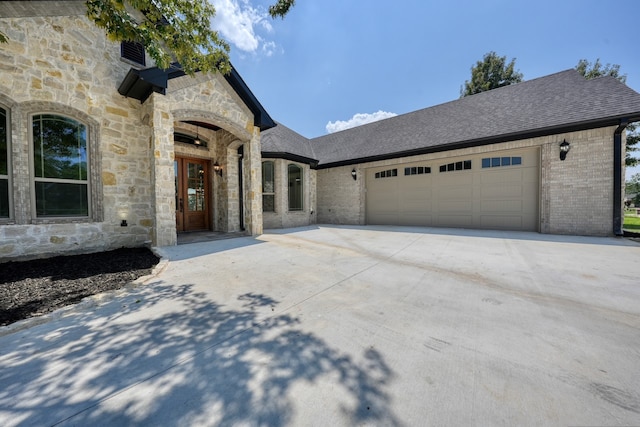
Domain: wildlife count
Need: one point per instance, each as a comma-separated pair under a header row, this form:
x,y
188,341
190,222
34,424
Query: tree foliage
x,y
170,30
632,187
596,69
491,73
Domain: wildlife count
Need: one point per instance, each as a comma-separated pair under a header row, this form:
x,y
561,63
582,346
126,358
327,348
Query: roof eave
x,y
552,130
289,156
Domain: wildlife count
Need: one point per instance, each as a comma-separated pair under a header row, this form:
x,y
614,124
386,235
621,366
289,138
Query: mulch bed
x,y
32,288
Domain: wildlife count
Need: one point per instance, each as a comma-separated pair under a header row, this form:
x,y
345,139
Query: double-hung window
x,y
60,166
4,165
268,187
295,187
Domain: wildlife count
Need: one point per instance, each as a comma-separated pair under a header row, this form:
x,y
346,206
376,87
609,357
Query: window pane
x,y
394,172
56,199
267,177
407,171
467,164
268,203
506,161
4,198
450,166
495,162
443,168
458,166
295,188
486,162
516,160
3,142
59,147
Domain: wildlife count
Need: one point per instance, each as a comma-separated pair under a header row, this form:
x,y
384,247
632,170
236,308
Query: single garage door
x,y
498,190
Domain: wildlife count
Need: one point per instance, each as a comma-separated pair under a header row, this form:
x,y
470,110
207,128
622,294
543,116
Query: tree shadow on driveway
x,y
167,355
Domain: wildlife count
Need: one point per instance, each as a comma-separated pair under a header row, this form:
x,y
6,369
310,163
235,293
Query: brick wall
x,y
282,217
576,195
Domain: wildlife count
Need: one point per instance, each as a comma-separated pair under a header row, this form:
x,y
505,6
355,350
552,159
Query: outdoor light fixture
x,y
197,140
354,175
564,149
123,223
217,168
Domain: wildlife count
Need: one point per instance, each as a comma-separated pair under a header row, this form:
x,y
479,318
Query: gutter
x,y
617,178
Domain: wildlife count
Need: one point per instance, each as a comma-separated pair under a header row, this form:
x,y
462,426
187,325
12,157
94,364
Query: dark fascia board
x,y
574,127
140,84
260,116
290,156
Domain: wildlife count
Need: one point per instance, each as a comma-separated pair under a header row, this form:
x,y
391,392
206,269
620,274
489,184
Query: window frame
x,y
273,178
300,189
8,176
94,205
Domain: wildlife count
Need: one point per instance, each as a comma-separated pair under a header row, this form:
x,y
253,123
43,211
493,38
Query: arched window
x,y
268,187
4,165
295,187
60,166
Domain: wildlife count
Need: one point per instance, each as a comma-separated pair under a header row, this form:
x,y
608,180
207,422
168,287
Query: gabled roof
x,y
560,102
140,84
282,142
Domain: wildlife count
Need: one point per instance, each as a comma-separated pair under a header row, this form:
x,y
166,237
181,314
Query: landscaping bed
x,y
36,287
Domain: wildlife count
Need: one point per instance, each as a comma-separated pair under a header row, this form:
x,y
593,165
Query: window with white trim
x,y
60,167
268,187
4,165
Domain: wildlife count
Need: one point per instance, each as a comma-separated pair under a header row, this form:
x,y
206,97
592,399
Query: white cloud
x,y
357,120
237,21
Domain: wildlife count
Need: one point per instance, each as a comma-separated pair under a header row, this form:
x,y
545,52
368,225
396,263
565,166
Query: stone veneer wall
x,y
576,195
65,65
282,217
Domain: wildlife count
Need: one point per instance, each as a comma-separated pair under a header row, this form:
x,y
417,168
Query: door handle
x,y
181,205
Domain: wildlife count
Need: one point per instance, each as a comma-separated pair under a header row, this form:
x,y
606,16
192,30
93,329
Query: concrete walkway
x,y
341,326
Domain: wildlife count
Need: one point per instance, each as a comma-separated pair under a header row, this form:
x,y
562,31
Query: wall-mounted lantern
x,y
564,149
217,168
354,174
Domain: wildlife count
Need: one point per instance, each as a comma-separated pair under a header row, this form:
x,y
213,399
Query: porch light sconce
x,y
217,168
564,149
354,175
123,223
197,140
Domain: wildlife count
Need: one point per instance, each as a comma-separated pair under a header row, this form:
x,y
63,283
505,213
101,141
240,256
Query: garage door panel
x,y
503,222
421,219
455,221
503,195
505,205
506,190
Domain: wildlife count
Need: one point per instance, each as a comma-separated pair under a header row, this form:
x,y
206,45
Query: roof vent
x,y
133,51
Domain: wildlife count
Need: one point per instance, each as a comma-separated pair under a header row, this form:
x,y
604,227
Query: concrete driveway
x,y
349,326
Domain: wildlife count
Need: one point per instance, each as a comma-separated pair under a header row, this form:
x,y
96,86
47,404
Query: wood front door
x,y
192,194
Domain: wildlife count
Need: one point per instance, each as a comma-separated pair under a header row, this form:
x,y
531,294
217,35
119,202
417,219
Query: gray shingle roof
x,y
555,103
281,139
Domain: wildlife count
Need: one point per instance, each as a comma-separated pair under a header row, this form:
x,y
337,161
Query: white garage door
x,y
498,190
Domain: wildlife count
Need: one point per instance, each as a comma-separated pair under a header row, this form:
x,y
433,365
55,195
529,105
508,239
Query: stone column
x,y
253,184
162,172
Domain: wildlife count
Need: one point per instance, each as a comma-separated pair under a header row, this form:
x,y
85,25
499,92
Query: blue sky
x,y
333,63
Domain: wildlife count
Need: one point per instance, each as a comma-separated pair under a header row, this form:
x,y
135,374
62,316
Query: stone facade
x,y
65,65
576,195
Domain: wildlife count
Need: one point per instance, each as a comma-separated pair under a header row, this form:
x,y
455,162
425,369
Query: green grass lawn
x,y
631,222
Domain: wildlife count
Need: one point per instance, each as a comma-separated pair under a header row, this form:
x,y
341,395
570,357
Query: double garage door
x,y
496,190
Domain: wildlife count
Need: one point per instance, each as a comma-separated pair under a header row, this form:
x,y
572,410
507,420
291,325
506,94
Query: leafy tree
x,y
633,187
170,30
491,73
591,71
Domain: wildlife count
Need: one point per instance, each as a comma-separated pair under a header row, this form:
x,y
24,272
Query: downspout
x,y
241,186
617,178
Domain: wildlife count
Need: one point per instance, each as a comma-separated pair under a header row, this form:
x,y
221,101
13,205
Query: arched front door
x,y
192,194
